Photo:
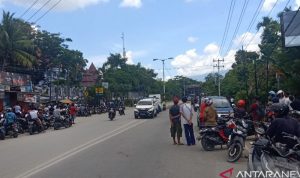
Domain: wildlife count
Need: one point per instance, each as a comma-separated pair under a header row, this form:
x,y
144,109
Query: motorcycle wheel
x,y
235,151
2,136
15,134
207,145
55,126
30,130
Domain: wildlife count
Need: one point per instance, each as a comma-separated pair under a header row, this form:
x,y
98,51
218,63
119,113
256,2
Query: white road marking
x,y
82,147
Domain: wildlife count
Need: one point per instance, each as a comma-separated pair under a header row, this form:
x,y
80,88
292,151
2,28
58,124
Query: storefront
x,y
15,88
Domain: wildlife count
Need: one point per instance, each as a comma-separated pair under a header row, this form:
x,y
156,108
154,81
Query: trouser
x,y
189,134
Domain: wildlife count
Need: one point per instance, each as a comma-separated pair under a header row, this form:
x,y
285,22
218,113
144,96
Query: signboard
x,y
105,85
30,98
7,78
289,28
99,90
86,93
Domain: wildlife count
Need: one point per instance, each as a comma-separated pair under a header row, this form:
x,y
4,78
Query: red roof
x,y
90,76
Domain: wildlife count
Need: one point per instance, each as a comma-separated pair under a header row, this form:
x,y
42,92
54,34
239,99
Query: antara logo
x,y
226,174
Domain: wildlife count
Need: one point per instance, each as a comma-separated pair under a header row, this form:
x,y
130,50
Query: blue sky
x,y
190,31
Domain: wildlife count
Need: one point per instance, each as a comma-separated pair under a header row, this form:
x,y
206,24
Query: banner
x,y
14,79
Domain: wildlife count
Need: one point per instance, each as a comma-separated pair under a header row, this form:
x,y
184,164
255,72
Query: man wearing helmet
x,y
210,113
240,111
10,117
282,123
280,95
175,120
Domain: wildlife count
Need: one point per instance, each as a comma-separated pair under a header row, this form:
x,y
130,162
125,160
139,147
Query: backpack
x,y
260,112
9,118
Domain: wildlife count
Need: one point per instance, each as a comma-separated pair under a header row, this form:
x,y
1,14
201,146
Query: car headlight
x,y
136,110
151,109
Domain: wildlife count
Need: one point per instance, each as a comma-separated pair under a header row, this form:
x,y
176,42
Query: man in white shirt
x,y
187,116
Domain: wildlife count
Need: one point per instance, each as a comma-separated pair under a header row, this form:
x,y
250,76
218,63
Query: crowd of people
x,y
276,112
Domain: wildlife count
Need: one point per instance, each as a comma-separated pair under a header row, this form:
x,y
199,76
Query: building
x,y
91,76
15,88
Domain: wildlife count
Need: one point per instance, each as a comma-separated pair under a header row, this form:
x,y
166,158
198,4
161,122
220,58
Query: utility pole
x,y
255,77
164,84
219,66
124,51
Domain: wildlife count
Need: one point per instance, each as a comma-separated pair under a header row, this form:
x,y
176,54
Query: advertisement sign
x,y
99,90
105,85
7,78
30,98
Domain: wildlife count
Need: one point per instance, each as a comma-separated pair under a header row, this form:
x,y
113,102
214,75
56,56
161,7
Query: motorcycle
x,y
33,125
267,156
2,129
62,121
111,114
121,111
219,135
12,130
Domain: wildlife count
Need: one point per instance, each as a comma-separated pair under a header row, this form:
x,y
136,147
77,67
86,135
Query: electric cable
x,y
47,11
38,10
29,8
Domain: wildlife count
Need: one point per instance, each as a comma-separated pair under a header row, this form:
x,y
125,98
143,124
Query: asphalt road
x,y
98,148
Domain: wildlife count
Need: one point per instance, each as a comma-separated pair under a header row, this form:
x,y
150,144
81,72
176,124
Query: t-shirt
x,y
73,110
175,111
186,110
33,114
18,109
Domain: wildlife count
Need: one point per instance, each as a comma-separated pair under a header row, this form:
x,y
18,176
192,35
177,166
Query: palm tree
x,y
16,43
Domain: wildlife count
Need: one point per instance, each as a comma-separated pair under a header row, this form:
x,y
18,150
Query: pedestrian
x,y
210,113
175,120
280,95
256,110
73,111
187,114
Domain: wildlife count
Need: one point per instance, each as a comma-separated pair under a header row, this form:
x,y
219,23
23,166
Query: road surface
x,y
98,148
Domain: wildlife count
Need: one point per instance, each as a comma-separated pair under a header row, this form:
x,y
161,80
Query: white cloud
x,y
192,39
297,4
97,60
63,5
131,3
192,63
211,48
134,55
268,4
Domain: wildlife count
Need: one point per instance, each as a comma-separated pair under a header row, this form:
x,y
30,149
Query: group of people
x,y
280,104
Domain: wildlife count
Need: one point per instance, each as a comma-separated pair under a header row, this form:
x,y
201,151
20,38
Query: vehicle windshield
x,y
143,103
221,103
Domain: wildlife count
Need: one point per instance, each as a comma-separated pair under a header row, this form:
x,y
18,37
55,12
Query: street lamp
x,y
163,61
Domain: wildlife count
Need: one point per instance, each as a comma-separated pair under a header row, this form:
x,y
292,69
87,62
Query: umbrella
x,y
66,101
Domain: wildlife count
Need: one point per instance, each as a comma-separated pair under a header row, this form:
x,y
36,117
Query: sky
x,y
189,31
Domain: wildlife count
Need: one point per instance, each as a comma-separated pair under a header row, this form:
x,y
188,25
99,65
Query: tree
x,y
16,46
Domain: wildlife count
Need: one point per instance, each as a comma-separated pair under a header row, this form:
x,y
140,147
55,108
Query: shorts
x,y
176,129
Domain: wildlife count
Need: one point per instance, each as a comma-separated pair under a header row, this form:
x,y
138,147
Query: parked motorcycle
x,y
12,130
111,114
218,135
121,111
62,121
266,155
2,129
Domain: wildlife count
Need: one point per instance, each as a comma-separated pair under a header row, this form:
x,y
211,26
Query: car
x,y
222,106
145,108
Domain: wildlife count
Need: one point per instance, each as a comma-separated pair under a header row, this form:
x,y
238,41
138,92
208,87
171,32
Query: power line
x,y
228,21
48,11
238,24
267,16
255,15
29,8
38,10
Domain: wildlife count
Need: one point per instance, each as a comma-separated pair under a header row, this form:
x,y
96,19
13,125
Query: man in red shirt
x,y
73,112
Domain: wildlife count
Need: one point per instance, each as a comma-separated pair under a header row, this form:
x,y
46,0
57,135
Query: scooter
x,y
111,114
121,111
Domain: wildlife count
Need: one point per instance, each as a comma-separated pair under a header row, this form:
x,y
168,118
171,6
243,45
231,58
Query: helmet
x,y
279,92
208,101
272,93
279,109
241,103
9,109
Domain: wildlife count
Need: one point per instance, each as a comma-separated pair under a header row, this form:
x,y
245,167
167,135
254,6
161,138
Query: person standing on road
x,y
73,112
210,114
175,120
187,114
